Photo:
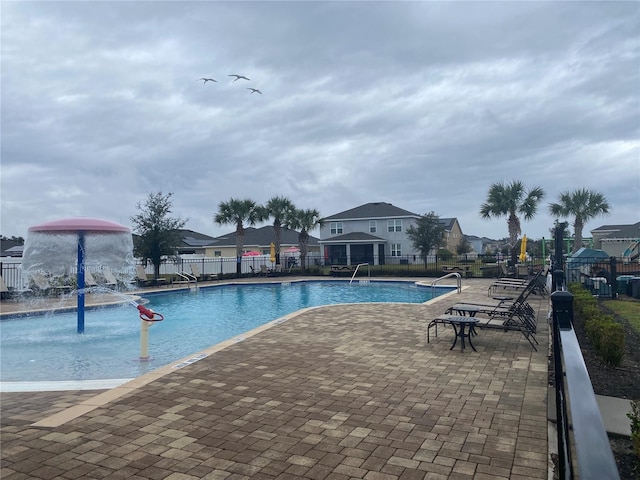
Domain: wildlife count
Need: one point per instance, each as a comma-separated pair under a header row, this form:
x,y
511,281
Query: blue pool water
x,y
47,348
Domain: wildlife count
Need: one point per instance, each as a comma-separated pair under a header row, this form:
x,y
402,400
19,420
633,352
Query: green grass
x,y
628,309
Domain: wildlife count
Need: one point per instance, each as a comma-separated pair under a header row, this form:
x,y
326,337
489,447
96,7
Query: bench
x,y
341,270
466,270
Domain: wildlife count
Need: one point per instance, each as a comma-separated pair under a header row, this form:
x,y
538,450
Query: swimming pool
x,y
47,348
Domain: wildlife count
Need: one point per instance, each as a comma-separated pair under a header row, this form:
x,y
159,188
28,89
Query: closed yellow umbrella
x,y
272,252
523,249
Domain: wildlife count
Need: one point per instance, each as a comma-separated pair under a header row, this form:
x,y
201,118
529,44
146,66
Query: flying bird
x,y
238,77
206,80
254,90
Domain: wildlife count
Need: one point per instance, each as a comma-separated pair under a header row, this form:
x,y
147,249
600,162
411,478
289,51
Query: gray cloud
x,y
421,104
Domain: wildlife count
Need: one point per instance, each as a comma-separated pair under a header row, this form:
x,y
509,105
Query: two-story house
x,y
618,240
376,233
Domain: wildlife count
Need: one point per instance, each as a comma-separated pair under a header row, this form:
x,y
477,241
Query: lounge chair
x,y
264,270
89,281
109,279
4,290
40,284
145,281
514,314
201,277
7,292
502,285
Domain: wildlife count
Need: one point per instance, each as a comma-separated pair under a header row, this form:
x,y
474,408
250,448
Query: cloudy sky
x,y
420,104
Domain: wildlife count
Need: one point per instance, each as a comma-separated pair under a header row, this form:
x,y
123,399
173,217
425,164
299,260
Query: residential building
x,y
617,240
452,234
476,243
258,240
376,233
195,243
11,248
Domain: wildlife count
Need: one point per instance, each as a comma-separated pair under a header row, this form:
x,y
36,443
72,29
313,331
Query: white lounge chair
x,y
6,292
144,280
195,271
89,281
40,283
109,279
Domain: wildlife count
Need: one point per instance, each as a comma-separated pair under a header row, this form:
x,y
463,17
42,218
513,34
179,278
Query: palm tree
x,y
582,205
237,212
278,208
509,201
304,220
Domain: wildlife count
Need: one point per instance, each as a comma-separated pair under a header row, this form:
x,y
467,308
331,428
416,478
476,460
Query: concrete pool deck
x,y
336,392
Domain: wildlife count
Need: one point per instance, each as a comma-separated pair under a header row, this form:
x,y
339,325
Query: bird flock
x,y
237,77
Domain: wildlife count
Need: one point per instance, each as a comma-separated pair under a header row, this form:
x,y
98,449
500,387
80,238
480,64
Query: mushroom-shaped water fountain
x,y
57,246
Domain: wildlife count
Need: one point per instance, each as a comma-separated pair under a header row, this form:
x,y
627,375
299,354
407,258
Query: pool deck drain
x,y
338,392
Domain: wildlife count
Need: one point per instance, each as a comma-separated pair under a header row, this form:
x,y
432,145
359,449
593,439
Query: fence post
x,y
613,270
562,305
558,280
562,319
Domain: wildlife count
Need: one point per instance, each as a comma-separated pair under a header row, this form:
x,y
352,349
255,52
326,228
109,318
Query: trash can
x,y
635,287
622,284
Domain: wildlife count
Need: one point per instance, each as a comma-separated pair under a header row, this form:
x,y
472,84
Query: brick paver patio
x,y
338,392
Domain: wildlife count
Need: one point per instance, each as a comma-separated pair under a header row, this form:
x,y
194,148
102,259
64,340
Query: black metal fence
x,y
584,450
589,271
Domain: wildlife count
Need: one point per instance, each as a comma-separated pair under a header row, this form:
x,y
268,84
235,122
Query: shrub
x,y
634,416
588,312
444,254
607,337
604,332
575,287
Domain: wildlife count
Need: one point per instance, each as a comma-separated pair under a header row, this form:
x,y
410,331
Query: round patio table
x,y
459,326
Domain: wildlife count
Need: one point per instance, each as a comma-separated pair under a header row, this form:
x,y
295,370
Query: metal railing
x,y
356,271
448,275
579,423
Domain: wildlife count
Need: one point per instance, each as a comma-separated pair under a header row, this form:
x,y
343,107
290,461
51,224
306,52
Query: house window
x,y
394,225
373,226
217,253
396,250
336,228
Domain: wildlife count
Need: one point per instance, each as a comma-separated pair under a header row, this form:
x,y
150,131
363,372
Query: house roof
x,y
382,210
626,232
354,237
196,239
614,228
372,210
11,248
262,236
448,222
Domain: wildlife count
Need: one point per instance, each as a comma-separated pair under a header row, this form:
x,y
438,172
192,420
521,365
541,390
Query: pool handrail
x,y
448,275
187,278
356,271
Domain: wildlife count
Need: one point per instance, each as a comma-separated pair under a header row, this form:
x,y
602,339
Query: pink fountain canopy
x,y
80,225
53,246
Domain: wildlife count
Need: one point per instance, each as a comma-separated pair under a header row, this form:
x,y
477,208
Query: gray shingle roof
x,y
448,223
263,236
372,210
354,237
623,231
615,228
196,239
